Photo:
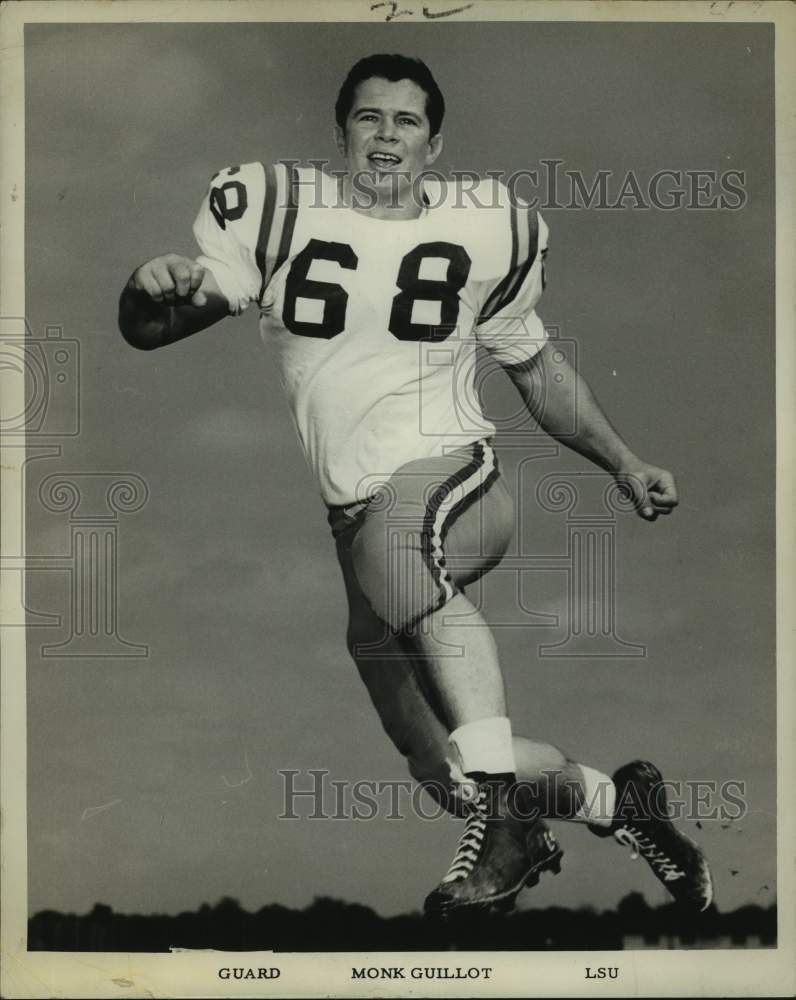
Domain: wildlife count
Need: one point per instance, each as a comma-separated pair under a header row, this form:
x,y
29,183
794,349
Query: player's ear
x,y
339,139
434,148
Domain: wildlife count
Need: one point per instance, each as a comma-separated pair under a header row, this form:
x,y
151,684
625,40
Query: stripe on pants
x,y
456,495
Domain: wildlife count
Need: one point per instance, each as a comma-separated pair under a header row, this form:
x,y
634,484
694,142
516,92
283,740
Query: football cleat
x,y
496,856
642,824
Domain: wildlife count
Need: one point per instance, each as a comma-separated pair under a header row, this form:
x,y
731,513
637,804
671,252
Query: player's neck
x,y
385,204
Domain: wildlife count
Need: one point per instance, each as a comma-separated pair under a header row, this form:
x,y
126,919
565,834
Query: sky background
x,y
228,572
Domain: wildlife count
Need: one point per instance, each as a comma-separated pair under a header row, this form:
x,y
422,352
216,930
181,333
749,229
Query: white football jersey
x,y
375,323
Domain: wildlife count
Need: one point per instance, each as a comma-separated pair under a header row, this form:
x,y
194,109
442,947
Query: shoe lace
x,y
639,844
470,842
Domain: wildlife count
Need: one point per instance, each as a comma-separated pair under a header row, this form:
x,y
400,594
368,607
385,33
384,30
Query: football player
x,y
374,289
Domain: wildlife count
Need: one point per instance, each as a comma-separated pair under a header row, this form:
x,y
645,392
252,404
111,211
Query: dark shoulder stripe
x,y
497,293
291,211
511,286
266,221
525,266
533,226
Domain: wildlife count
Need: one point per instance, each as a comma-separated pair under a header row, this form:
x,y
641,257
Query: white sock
x,y
485,745
599,797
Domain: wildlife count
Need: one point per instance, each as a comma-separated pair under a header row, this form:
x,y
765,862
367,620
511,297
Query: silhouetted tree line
x,y
333,925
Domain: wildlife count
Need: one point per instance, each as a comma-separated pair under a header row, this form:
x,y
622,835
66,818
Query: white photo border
x,y
646,973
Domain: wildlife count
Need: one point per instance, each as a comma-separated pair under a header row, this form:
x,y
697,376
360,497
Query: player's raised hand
x,y
653,490
169,298
171,279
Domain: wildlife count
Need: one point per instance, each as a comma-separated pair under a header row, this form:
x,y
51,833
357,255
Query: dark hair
x,y
392,67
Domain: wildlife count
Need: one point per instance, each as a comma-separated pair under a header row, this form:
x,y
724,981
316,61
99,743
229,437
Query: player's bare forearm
x,y
553,392
553,398
167,299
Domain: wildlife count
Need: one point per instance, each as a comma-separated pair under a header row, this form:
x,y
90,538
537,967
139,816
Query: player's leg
x,y
398,559
456,650
407,709
412,716
396,688
411,713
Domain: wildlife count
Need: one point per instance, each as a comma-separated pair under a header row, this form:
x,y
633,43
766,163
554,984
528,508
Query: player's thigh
x,y
437,524
478,538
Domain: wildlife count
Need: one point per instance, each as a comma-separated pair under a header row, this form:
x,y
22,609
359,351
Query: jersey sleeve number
x,y
228,202
412,287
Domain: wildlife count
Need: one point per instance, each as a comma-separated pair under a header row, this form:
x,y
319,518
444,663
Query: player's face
x,y
387,132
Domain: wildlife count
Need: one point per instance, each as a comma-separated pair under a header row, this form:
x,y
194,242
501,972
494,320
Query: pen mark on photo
x,y
445,13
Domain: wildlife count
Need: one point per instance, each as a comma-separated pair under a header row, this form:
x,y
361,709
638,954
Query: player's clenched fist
x,y
171,279
168,298
653,490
